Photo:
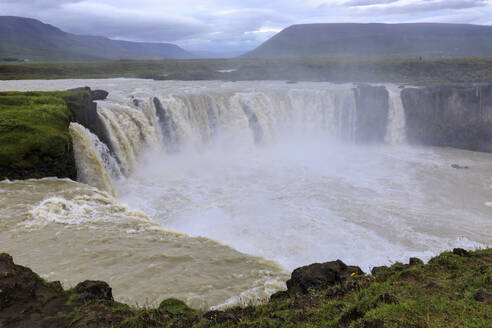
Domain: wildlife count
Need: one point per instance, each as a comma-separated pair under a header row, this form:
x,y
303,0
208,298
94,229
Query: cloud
x,y
409,7
362,3
122,23
231,24
45,4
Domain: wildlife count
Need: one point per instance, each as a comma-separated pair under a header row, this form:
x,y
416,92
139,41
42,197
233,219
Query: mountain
x,y
377,40
26,38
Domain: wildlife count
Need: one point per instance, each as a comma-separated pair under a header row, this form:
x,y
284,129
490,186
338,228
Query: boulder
x,y
415,261
320,276
461,252
99,94
218,317
90,290
483,296
459,167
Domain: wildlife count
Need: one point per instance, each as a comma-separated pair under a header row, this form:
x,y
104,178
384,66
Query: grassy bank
x,y
34,137
414,71
452,290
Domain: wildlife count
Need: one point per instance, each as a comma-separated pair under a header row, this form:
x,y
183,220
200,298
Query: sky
x,y
230,25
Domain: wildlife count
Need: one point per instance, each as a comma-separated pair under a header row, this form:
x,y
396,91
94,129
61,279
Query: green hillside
x,y
25,38
377,40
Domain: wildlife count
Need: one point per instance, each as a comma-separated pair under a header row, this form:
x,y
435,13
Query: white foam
x,y
86,209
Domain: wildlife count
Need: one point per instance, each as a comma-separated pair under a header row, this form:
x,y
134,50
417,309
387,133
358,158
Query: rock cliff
x,y
457,116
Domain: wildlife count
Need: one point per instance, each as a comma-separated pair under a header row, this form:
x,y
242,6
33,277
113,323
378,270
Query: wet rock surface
x,y
85,111
457,116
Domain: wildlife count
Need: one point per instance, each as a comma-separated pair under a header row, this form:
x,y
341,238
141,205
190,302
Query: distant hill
x,y
377,40
26,38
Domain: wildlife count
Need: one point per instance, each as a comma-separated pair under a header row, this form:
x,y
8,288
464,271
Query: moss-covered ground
x,y
450,291
397,70
34,131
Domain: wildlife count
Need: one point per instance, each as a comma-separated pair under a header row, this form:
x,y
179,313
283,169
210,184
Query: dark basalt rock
x,y
62,167
483,296
279,296
461,252
93,290
25,298
414,261
458,116
99,94
459,167
3,298
28,301
85,113
218,317
320,276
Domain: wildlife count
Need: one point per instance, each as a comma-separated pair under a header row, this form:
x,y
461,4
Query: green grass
x,y
396,70
34,136
438,294
32,125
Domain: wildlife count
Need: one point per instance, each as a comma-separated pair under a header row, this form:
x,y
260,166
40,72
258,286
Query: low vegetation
x,y
396,70
453,290
34,137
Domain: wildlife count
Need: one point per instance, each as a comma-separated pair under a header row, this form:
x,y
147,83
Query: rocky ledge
x,y
453,289
458,116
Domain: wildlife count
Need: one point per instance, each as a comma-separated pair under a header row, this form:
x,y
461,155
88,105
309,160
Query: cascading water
x,y
95,165
245,118
396,134
131,129
180,121
267,169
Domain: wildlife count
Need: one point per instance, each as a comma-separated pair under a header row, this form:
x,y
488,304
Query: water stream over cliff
x,y
268,169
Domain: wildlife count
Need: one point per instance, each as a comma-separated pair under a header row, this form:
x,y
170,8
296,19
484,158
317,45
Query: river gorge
x,y
212,192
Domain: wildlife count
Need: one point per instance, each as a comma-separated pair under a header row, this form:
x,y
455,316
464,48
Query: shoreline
x,y
331,294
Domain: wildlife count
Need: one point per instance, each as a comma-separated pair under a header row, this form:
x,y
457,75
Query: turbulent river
x,y
214,191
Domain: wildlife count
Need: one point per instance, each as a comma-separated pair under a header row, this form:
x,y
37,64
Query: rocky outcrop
x,y
35,142
450,116
320,276
85,111
43,166
28,301
328,294
372,103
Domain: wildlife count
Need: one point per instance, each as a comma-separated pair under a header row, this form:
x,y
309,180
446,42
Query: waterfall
x,y
95,165
131,127
255,117
196,118
396,133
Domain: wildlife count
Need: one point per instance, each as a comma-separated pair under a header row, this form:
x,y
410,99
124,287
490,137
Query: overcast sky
x,y
230,25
